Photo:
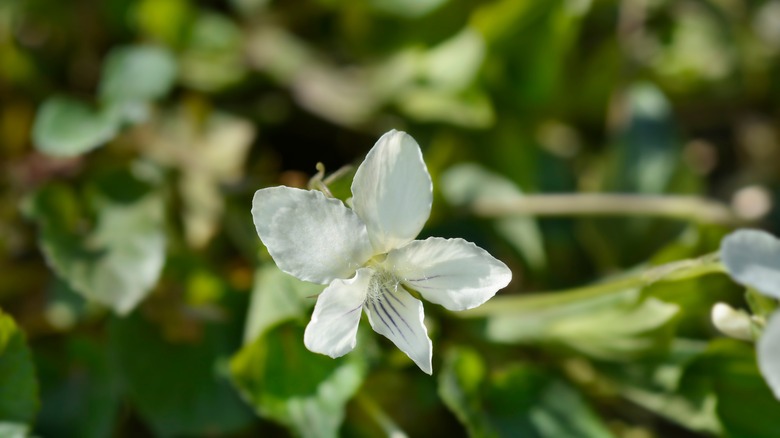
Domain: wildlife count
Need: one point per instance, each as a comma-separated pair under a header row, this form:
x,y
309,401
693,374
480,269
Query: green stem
x,y
691,208
674,271
388,426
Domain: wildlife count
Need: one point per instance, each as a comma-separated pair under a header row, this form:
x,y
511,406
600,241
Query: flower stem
x,y
669,272
388,426
692,208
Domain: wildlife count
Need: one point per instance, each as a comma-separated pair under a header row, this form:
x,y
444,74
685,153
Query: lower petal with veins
x,y
399,317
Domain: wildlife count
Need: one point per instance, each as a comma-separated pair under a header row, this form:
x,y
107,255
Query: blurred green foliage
x,y
138,301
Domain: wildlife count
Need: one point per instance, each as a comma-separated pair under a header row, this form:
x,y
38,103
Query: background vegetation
x,y
137,299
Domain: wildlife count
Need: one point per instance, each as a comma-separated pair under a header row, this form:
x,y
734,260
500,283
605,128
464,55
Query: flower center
x,y
381,282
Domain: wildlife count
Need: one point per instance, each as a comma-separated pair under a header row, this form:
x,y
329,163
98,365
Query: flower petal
x,y
752,258
334,323
399,317
455,273
768,351
309,236
392,191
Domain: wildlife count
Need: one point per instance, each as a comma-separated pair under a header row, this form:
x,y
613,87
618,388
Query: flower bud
x,y
731,322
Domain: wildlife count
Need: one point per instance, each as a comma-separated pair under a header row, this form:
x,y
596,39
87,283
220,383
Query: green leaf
x,y
287,383
620,333
520,400
82,398
645,156
530,44
746,406
137,74
277,297
214,57
698,294
407,8
760,304
647,152
166,21
752,258
119,261
453,65
66,127
471,109
18,385
460,383
178,388
611,327
656,386
14,430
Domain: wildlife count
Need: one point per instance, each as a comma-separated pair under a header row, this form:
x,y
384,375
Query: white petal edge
x,y
752,258
768,351
454,273
399,317
334,323
310,236
392,191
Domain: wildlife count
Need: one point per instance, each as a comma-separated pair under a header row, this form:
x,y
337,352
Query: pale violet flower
x,y
368,257
752,258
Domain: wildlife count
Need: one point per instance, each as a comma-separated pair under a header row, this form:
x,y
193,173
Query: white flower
x,y
368,256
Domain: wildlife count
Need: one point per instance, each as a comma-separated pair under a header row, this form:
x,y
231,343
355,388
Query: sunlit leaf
x,y
66,127
165,21
454,64
620,333
287,383
180,388
696,50
119,261
611,327
18,385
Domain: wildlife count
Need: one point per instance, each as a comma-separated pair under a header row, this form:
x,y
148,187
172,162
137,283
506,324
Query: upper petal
x,y
399,317
752,258
768,350
334,323
309,236
455,273
392,191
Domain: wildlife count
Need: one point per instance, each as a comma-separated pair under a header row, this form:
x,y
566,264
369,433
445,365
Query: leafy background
x,y
137,299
